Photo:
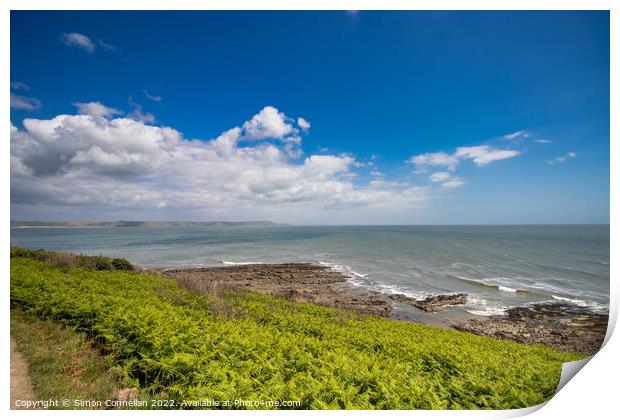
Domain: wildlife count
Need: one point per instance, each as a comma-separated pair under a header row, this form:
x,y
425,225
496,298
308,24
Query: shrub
x,y
67,260
26,253
122,264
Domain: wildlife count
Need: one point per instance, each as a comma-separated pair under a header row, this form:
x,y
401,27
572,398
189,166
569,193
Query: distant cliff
x,y
136,223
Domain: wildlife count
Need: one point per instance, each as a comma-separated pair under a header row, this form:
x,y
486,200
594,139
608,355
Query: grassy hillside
x,y
248,346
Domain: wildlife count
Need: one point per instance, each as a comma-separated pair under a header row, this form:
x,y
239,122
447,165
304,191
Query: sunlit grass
x,y
61,362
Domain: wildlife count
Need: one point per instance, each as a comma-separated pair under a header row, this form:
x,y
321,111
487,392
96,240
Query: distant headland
x,y
136,223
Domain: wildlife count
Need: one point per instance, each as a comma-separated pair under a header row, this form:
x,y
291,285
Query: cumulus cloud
x,y
96,109
114,165
77,40
563,158
270,123
303,123
25,103
440,159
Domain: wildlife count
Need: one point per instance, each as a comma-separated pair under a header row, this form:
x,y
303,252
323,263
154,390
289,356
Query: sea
x,y
499,267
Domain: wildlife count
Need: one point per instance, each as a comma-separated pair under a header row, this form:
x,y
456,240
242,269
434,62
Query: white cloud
x,y
516,135
96,109
562,159
81,41
106,46
483,155
25,103
329,164
376,173
453,183
446,179
138,114
440,176
305,125
154,98
426,160
84,164
19,86
269,123
543,141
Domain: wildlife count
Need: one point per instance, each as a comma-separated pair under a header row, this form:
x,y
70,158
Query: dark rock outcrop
x,y
432,303
560,326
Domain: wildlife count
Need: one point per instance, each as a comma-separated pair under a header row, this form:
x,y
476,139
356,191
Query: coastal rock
x,y
432,303
561,326
298,282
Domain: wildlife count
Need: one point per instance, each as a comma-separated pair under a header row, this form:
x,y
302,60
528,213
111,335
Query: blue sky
x,y
412,116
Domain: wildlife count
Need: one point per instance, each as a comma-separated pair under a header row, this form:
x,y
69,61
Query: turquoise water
x,y
498,266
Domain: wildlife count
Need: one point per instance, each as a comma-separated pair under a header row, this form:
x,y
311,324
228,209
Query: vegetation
x,y
61,361
237,345
66,260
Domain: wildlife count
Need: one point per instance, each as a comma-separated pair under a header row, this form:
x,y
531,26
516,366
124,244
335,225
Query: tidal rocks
x,y
299,282
432,303
561,326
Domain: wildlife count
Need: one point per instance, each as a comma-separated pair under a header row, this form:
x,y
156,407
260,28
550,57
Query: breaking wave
x,y
495,283
241,262
596,307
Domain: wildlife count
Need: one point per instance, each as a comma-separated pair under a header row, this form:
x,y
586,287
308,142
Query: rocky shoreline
x,y
557,325
299,282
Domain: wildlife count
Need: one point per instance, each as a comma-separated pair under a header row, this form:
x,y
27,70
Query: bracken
x,y
167,339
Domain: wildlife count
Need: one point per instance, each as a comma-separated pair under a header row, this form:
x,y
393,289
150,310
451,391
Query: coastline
x,y
558,325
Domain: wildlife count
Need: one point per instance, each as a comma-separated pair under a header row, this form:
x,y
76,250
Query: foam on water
x,y
592,305
241,262
499,283
344,269
507,289
395,290
480,306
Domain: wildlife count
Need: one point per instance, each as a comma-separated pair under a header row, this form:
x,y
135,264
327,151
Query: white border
x,y
592,393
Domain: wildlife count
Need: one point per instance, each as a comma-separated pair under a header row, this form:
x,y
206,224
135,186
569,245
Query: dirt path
x,y
21,388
